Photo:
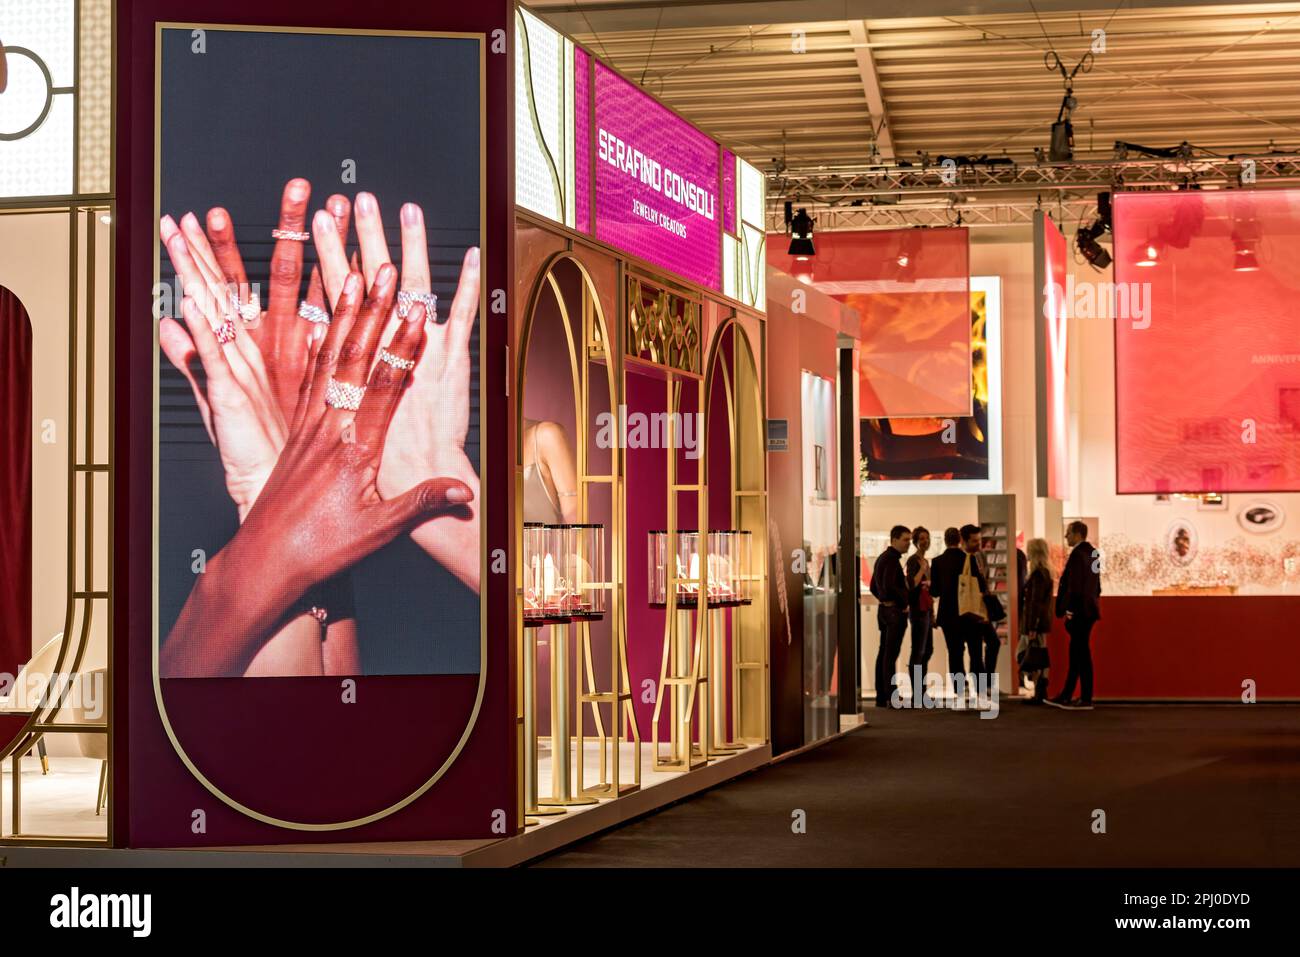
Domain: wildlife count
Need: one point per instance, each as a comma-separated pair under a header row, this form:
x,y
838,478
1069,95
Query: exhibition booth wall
x,y
380,686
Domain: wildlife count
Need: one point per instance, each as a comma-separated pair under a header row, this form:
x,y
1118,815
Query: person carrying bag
x,y
1036,620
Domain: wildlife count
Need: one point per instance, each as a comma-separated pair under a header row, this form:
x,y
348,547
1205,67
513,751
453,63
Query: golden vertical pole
x,y
562,793
531,804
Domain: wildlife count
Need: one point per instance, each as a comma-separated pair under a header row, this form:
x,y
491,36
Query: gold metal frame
x,y
589,344
212,788
748,483
84,593
92,205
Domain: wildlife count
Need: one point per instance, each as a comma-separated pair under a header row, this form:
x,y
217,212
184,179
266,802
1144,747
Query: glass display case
x,y
564,573
535,559
580,550
729,580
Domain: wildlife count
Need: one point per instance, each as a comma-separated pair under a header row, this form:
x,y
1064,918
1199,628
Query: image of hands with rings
x,y
340,420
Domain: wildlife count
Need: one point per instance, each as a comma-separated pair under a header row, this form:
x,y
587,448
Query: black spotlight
x,y
1086,241
801,235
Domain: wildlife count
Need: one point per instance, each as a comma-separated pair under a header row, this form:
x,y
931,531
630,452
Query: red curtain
x,y
15,483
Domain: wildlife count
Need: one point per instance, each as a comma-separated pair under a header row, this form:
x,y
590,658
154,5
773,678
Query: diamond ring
x,y
247,311
407,298
344,395
293,234
396,361
225,332
313,313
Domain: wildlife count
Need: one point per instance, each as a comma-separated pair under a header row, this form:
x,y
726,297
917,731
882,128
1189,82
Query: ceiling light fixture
x,y
1085,240
801,234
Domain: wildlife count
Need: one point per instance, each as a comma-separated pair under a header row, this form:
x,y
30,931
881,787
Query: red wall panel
x,y
1192,647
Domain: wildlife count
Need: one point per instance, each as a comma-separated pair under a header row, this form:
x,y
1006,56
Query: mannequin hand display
x,y
431,423
320,511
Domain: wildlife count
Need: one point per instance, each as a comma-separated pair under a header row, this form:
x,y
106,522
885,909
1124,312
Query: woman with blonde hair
x,y
1036,619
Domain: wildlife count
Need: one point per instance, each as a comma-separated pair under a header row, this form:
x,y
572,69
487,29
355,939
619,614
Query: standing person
x,y
943,586
1078,601
889,586
972,586
1036,619
920,610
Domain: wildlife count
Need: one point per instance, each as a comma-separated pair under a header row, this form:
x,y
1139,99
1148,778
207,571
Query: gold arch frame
x,y
598,347
748,485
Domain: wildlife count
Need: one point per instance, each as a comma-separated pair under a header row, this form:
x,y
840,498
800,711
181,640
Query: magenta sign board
x,y
656,183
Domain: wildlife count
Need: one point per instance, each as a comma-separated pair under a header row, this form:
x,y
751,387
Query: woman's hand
x,y
283,337
320,511
431,423
237,404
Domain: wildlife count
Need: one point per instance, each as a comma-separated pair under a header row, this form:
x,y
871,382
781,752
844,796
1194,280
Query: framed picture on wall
x,y
1181,542
1261,517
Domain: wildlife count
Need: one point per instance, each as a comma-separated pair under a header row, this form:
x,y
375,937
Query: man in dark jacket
x,y
889,585
943,585
1078,601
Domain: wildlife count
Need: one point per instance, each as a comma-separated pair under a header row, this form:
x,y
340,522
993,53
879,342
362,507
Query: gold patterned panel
x,y
95,97
662,327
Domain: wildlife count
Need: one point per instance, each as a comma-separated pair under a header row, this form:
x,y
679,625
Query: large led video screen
x,y
947,455
320,212
1207,341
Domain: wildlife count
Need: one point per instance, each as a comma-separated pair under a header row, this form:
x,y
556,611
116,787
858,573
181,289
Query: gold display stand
x,y
531,803
563,710
717,665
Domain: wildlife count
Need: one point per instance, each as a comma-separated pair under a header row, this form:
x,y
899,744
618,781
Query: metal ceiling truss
x,y
994,191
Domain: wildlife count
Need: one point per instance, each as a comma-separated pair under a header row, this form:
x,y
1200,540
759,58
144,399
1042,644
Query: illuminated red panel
x,y
911,288
1051,355
1207,341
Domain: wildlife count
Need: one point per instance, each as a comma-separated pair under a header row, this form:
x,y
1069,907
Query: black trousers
x,y
1080,632
963,639
922,640
992,645
893,625
952,639
972,633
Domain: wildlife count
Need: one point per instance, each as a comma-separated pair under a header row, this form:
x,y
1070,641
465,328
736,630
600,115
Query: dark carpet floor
x,y
1180,786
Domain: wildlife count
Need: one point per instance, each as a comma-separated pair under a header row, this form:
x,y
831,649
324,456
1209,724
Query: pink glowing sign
x,y
656,183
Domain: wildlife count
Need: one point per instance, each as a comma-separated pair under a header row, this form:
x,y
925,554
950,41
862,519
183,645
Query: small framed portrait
x,y
1181,542
1261,517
